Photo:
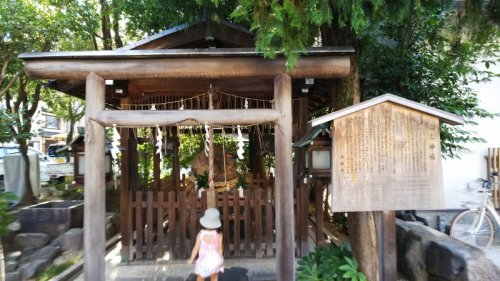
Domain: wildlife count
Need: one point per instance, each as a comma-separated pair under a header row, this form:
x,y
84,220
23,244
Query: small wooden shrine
x,y
157,83
76,148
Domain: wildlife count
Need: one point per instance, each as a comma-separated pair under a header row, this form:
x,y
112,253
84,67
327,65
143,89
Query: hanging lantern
x,y
318,156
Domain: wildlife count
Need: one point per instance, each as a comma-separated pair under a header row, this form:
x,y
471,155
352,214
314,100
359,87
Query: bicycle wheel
x,y
463,228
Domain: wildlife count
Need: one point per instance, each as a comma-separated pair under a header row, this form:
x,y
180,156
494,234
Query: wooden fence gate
x,y
168,222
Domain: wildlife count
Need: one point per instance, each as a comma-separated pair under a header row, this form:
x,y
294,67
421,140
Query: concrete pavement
x,y
234,270
493,252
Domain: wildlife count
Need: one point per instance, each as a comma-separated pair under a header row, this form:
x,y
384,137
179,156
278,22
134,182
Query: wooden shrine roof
x,y
202,39
204,33
176,53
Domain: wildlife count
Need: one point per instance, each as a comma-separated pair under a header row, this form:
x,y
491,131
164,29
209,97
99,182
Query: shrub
x,y
5,217
329,263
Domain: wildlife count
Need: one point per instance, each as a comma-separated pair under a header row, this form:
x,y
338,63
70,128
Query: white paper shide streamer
x,y
159,145
182,105
240,150
115,152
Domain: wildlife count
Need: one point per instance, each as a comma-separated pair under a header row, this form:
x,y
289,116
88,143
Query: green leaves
x,y
64,106
329,263
286,27
422,57
202,180
5,218
350,270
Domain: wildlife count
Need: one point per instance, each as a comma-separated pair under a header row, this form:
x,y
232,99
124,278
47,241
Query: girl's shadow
x,y
230,274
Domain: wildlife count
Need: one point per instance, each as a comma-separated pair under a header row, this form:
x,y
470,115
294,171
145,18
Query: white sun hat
x,y
211,219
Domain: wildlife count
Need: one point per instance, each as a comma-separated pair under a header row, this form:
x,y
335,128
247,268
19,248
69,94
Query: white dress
x,y
209,260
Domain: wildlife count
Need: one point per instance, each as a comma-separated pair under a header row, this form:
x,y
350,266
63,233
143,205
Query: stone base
x,y
426,254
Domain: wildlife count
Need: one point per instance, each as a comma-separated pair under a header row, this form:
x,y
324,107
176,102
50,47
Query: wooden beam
x,y
197,86
95,185
285,231
147,118
198,67
248,87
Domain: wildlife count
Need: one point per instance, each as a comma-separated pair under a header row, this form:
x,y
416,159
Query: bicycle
x,y
474,226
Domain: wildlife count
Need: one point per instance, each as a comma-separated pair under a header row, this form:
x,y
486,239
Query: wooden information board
x,y
386,157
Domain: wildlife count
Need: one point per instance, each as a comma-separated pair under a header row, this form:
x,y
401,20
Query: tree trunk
x,y
94,42
116,26
345,92
106,31
69,137
363,238
28,197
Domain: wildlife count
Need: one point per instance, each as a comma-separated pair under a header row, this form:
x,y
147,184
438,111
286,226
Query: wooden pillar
x,y
318,196
300,162
133,155
386,233
125,215
156,163
176,167
253,147
94,207
285,232
256,155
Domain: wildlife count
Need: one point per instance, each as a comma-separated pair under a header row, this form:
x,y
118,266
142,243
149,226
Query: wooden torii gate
x,y
96,67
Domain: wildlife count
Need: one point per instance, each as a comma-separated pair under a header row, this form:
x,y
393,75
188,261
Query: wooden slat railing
x,y
168,222
493,165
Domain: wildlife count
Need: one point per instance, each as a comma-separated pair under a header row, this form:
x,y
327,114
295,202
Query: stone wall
x,y
30,253
426,254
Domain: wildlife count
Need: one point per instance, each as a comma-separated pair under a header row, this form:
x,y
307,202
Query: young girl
x,y
209,246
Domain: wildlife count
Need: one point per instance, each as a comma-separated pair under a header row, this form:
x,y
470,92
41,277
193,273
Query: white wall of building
x,y
472,165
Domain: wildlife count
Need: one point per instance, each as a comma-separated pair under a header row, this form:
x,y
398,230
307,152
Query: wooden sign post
x,y
386,157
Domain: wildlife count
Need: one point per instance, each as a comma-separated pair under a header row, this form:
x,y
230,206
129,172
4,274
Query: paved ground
x,y
493,252
235,270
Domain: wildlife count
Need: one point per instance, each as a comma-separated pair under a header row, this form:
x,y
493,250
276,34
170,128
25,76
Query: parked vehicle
x,y
57,157
14,148
474,226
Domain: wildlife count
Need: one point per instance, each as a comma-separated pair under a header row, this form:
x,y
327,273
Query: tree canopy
x,y
400,45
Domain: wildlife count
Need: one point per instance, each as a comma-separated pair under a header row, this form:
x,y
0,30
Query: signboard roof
x,y
443,116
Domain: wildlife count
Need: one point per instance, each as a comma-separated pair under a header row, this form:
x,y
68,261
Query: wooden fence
x,y
493,165
168,222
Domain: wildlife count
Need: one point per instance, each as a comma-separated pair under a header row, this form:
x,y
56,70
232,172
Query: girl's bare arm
x,y
196,248
220,246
